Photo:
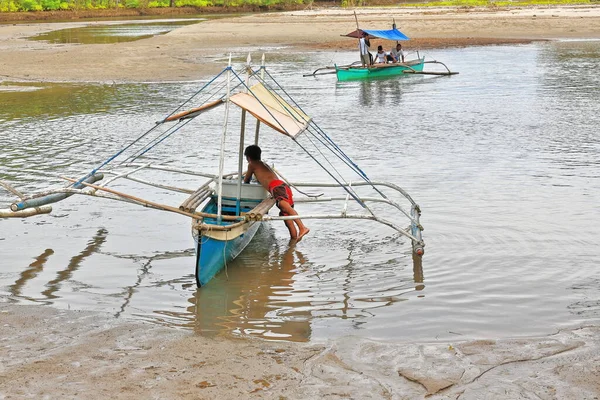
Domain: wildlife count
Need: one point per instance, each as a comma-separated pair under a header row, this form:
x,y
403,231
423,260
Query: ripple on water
x,y
504,169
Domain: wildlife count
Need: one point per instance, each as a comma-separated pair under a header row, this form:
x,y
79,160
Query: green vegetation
x,y
53,5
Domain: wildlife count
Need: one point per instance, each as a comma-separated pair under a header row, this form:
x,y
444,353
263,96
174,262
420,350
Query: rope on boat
x,y
163,136
156,141
293,114
339,153
287,182
195,94
352,193
117,154
113,157
318,128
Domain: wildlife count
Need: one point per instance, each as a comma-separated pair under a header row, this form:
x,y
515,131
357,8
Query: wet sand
x,y
69,354
195,51
47,353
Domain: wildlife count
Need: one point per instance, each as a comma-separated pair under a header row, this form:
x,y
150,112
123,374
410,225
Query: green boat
x,y
350,73
393,63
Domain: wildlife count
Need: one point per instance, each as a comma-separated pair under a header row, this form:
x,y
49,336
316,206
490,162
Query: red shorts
x,y
280,191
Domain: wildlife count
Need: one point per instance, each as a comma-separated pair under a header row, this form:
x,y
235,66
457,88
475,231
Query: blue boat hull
x,y
212,255
214,248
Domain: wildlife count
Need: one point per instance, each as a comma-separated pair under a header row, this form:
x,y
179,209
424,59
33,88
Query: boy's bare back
x,y
263,174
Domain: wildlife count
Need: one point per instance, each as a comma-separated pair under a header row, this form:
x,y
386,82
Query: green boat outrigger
x,y
357,71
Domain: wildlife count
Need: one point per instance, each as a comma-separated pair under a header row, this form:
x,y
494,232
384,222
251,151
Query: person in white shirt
x,y
380,56
363,47
397,53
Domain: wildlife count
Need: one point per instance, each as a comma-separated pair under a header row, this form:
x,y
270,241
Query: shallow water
x,y
503,160
113,33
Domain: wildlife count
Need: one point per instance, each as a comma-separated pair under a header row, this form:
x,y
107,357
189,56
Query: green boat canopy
x,y
390,34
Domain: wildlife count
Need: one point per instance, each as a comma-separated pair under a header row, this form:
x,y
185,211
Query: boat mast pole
x,y
357,28
238,202
222,155
262,78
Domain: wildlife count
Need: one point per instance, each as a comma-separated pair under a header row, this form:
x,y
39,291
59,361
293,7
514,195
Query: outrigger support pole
x,y
317,72
346,216
413,71
25,213
42,200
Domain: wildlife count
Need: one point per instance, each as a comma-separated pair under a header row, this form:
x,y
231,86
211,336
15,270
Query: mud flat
x,y
195,51
49,353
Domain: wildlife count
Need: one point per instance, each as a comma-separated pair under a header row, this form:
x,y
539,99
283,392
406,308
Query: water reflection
x,y
588,304
105,34
560,70
144,272
30,272
257,299
574,96
93,246
54,100
503,165
418,272
381,92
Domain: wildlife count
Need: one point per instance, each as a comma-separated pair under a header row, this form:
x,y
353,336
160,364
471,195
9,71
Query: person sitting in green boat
x,y
390,57
280,191
397,53
380,57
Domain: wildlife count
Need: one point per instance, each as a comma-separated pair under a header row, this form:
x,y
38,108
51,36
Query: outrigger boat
x,y
230,211
356,71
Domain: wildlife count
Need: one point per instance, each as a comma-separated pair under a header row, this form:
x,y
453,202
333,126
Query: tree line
x,y
55,5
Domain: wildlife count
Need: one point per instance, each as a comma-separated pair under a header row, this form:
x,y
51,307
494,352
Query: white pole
x,y
241,150
222,155
262,77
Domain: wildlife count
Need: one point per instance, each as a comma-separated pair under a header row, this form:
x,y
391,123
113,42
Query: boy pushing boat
x,y
280,191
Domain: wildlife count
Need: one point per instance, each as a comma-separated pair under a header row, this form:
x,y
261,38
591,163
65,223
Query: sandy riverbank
x,y
198,50
48,353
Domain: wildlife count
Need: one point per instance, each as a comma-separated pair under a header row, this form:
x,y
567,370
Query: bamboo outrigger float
x,y
358,71
226,213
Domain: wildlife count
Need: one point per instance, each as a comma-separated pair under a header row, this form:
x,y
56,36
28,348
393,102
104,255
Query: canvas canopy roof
x,y
390,34
264,105
272,110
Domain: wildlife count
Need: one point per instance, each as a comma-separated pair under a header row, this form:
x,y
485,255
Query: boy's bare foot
x,y
303,233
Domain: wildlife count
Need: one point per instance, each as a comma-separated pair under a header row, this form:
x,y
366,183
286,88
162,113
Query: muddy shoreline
x,y
69,354
195,51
